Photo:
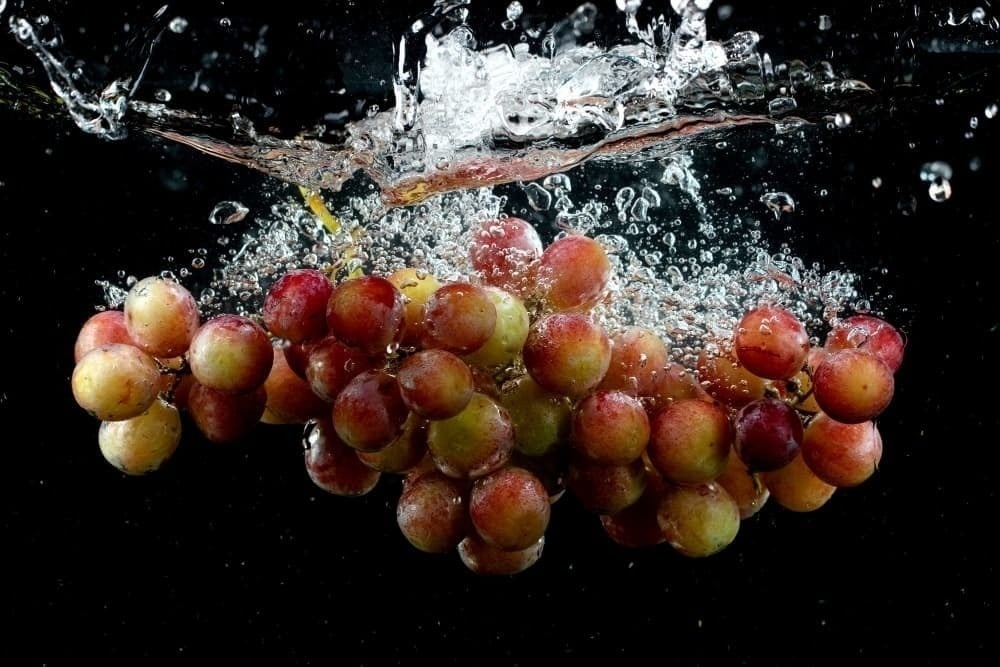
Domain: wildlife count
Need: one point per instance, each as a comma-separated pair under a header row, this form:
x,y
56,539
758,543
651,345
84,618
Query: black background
x,y
230,552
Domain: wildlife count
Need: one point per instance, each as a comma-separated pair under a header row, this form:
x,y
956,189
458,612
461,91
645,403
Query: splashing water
x,y
578,137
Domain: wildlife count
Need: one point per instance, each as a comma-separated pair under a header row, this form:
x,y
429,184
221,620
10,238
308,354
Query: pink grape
x,y
573,273
504,251
295,305
473,443
142,444
853,385
869,333
330,366
605,488
231,353
727,380
416,286
332,465
115,381
699,521
402,454
432,512
481,557
841,454
161,316
610,427
542,419
369,413
567,353
459,317
637,525
690,441
435,383
290,399
746,487
509,508
367,313
107,326
796,487
638,358
771,342
225,417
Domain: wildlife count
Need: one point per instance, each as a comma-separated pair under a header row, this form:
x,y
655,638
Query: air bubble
x,y
778,203
178,24
825,22
227,213
991,111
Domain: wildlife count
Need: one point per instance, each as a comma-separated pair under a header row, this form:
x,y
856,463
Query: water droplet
x,y
178,24
978,15
825,22
778,203
539,198
227,213
781,105
514,10
940,190
876,182
937,170
974,122
161,95
225,23
842,120
198,263
990,111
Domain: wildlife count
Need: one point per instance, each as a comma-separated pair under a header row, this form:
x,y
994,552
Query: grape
x,y
511,330
107,326
841,454
435,383
223,416
295,305
509,508
746,487
141,444
768,434
637,525
870,333
367,313
674,382
610,427
473,443
483,558
567,353
504,251
573,273
771,342
699,520
402,454
603,488
727,380
638,358
330,366
297,356
369,413
115,381
852,385
161,316
417,286
332,465
290,399
796,487
231,353
431,512
459,317
541,418
690,440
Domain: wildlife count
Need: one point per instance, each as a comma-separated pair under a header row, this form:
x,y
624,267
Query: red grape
x,y
869,333
369,413
610,427
334,466
459,317
509,508
841,454
231,353
567,353
504,251
690,440
435,384
573,273
768,434
295,305
367,313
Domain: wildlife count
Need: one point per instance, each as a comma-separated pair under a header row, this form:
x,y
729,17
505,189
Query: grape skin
x,y
161,316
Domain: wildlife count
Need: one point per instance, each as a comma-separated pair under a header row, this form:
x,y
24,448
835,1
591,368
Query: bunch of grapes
x,y
494,397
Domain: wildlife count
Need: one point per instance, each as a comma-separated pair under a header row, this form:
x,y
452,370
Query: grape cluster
x,y
495,396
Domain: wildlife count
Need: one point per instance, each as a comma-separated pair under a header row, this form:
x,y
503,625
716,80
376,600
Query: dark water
x,y
229,552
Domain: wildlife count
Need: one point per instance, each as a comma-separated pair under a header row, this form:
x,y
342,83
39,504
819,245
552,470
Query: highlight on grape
x,y
495,395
